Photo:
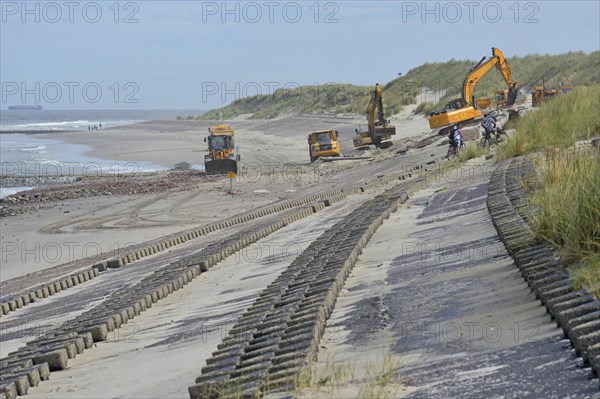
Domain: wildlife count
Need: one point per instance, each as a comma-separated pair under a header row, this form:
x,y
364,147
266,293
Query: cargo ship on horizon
x,y
24,107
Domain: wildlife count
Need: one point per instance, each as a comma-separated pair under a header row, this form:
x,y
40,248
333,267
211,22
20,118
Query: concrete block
x,y
22,384
101,267
44,371
56,359
33,375
99,332
10,390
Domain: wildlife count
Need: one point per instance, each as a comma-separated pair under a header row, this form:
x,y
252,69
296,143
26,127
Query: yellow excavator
x,y
323,143
379,132
221,157
463,109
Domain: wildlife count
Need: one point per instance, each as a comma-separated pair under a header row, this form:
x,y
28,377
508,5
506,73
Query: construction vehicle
x,y
483,103
380,132
221,157
463,109
323,143
501,98
541,94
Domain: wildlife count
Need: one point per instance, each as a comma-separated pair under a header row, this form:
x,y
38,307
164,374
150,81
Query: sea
x,y
69,120
25,153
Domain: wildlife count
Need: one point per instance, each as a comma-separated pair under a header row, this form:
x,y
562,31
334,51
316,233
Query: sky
x,y
205,54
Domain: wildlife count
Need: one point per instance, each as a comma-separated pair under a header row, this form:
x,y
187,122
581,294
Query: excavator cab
x,y
455,104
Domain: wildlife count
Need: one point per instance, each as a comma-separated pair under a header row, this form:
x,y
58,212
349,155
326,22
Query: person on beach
x,y
101,126
457,137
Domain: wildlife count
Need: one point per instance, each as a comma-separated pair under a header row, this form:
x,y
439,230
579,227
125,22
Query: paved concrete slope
x,y
437,293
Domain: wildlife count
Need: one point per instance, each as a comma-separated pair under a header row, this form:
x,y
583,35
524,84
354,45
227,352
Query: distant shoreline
x,y
155,123
40,131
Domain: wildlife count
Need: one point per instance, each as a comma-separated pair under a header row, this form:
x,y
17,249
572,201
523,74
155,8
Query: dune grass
x,y
472,150
558,123
379,379
568,215
567,198
575,68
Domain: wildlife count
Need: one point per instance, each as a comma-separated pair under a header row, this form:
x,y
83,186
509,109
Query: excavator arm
x,y
375,104
463,109
503,68
479,70
378,130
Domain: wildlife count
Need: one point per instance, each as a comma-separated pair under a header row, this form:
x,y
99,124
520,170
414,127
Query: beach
x,y
277,207
90,219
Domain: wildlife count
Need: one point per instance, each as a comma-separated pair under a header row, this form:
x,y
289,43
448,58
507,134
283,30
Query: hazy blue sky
x,y
182,55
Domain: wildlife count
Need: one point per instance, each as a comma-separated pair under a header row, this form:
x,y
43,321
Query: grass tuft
x,y
472,150
588,276
379,380
568,211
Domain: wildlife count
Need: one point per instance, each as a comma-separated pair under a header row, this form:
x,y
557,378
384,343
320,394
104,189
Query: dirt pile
x,y
98,186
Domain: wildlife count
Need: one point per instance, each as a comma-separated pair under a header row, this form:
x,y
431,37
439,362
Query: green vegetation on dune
x,y
575,68
568,198
337,98
568,216
472,150
558,123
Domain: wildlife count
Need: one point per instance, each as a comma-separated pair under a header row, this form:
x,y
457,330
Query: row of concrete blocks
x,y
46,290
331,196
261,312
267,346
313,248
59,285
49,289
58,356
20,375
56,348
310,311
576,312
287,364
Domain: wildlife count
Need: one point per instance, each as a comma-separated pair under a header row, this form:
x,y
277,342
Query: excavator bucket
x,y
382,131
220,166
512,96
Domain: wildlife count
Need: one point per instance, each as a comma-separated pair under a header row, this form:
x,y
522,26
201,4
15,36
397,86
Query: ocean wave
x,y
81,124
39,148
47,124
